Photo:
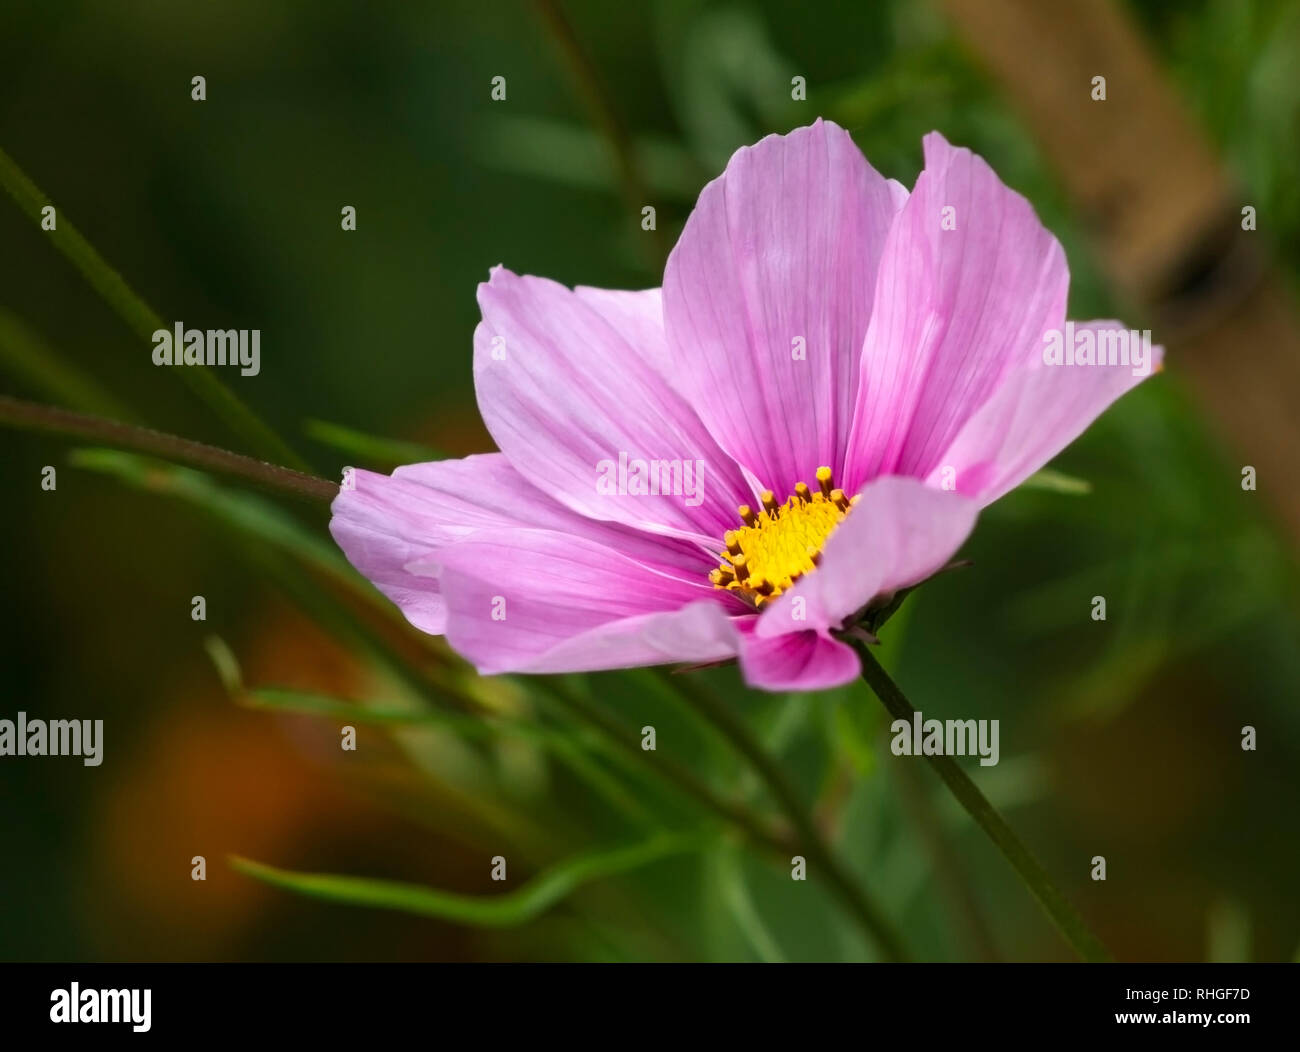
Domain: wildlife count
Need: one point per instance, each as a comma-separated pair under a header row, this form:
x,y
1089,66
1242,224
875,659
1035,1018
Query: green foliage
x,y
1202,594
539,894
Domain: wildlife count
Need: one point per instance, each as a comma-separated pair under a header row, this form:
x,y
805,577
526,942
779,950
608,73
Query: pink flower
x,y
819,333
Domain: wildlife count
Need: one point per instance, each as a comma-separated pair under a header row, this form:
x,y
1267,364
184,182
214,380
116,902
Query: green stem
x,y
139,317
675,774
814,845
37,363
538,895
35,417
1071,925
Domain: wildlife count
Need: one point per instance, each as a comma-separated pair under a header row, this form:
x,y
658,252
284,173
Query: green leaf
x,y
549,149
572,746
310,704
854,737
386,452
248,513
227,665
270,533
735,893
31,359
539,894
1057,482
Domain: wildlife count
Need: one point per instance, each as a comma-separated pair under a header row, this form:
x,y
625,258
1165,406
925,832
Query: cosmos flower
x,y
835,377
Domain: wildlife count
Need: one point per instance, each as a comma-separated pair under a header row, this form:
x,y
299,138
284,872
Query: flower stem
x,y
820,855
603,112
686,781
138,316
35,417
1071,925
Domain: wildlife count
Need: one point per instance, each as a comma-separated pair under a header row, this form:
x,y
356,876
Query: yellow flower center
x,y
782,542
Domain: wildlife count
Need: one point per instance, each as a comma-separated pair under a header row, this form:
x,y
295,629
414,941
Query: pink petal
x,y
955,311
568,381
537,601
1036,413
797,661
385,524
783,245
898,534
639,318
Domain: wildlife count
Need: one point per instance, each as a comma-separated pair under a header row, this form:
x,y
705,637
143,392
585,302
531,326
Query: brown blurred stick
x,y
32,416
1164,214
604,113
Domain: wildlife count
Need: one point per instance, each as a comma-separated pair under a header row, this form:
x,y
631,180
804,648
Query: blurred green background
x,y
1119,738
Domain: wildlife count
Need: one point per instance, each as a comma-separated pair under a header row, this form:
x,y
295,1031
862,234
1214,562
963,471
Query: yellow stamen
x,y
782,543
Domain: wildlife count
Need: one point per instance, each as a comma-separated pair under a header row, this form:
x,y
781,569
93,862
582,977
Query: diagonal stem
x,y
139,317
35,417
603,112
32,416
1071,925
677,774
738,732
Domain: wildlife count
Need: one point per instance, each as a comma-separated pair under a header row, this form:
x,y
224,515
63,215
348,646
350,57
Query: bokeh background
x,y
1119,738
